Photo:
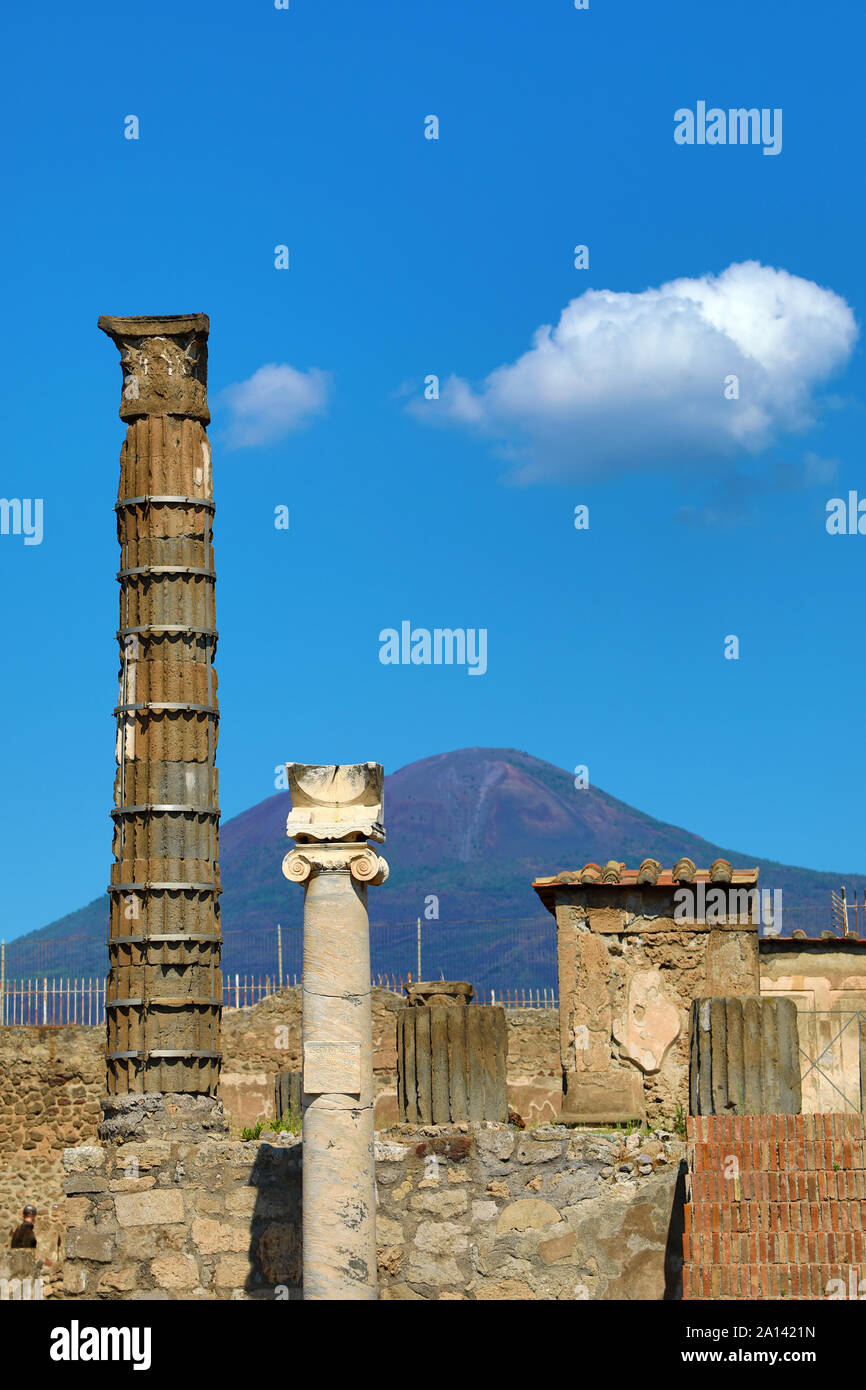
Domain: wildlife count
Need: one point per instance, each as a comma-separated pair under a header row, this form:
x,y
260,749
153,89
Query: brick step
x,y
769,1217
722,1128
748,1185
790,1281
777,1247
778,1155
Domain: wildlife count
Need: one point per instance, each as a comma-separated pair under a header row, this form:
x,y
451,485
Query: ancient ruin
x,y
745,1057
633,951
451,1059
642,1140
164,993
335,811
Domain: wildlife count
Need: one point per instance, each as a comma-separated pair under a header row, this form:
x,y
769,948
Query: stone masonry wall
x,y
476,1211
264,1039
827,982
629,968
51,1082
54,1079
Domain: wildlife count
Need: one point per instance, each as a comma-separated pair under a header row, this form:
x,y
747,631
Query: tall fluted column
x,y
335,810
164,992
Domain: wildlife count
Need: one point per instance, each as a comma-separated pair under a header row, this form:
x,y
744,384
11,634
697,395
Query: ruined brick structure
x,y
635,947
775,1207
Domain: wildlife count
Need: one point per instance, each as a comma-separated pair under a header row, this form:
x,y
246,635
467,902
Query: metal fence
x,y
58,1002
517,954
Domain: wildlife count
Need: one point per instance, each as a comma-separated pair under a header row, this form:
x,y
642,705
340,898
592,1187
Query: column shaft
x,y
164,989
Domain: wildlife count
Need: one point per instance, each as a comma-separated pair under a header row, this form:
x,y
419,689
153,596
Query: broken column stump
x,y
744,1057
451,1057
288,1093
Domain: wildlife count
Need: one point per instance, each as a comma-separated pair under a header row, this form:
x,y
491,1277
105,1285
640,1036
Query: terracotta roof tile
x,y
650,873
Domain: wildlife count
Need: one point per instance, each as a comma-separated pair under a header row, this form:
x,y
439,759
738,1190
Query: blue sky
x,y
410,257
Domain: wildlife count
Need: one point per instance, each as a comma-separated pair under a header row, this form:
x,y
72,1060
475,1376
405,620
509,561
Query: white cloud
x,y
625,380
271,403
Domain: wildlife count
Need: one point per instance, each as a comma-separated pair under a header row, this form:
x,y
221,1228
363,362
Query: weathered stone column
x,y
451,1056
164,991
744,1057
335,810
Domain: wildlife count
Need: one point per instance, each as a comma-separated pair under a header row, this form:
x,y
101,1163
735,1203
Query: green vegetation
x,y
290,1123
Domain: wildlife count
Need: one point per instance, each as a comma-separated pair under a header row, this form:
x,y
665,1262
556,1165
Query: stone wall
x,y
827,982
52,1080
629,968
469,1212
261,1040
26,1276
534,1070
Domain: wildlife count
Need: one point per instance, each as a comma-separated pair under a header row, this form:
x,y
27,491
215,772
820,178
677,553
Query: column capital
x,y
336,801
354,857
164,363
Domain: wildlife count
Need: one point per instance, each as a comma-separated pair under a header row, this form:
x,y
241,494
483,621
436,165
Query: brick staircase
x,y
775,1207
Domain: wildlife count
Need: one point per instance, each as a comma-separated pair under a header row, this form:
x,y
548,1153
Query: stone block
x,y
160,1207
427,1268
527,1214
241,1200
618,1099
484,1211
74,1279
218,1237
441,1238
76,1209
211,1203
505,1289
385,1151
149,1153
83,1244
531,1151
233,1271
388,1232
497,1188
146,1242
495,1144
279,1251
84,1182
441,1203
389,1259
85,1159
175,1271
118,1280
559,1248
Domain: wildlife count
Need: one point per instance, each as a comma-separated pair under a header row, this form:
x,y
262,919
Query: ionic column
x,y
164,991
335,810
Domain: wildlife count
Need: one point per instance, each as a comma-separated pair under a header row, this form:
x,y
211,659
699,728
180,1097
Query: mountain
x,y
467,830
